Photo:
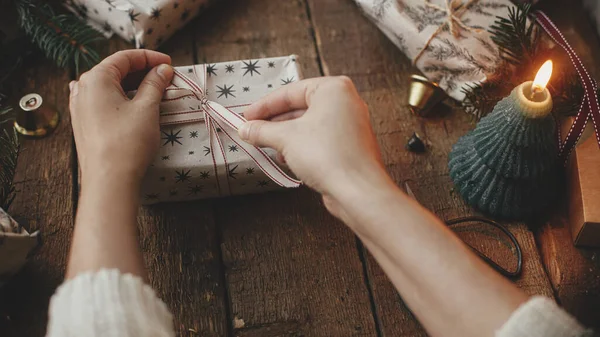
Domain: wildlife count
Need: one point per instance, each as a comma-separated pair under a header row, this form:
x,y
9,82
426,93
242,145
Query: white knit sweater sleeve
x,y
108,304
541,317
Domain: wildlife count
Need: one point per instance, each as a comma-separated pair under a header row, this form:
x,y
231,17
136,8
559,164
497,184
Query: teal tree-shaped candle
x,y
507,166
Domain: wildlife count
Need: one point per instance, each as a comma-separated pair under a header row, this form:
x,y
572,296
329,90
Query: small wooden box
x,y
583,188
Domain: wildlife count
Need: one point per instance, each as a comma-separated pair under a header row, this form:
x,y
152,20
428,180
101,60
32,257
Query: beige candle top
x,y
533,97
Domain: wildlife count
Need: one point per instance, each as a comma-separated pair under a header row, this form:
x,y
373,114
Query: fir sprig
x,y
9,150
516,38
62,37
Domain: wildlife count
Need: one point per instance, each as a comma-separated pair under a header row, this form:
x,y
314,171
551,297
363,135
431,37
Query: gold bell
x,y
423,95
34,118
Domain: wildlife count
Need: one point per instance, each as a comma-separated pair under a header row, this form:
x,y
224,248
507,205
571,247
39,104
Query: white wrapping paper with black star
x,y
146,23
447,40
201,155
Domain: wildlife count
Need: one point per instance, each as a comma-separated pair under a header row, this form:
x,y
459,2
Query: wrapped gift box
x,y
420,30
146,23
583,186
15,246
201,155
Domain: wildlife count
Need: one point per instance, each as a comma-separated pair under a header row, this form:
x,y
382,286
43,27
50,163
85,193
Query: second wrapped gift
x,y
447,40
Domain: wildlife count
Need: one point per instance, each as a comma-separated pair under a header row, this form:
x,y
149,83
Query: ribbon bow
x,y
454,10
589,107
216,117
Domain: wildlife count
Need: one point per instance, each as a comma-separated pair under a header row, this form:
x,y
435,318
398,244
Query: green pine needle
x,y
63,38
516,39
9,150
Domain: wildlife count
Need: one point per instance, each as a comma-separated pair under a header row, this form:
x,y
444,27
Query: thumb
x,y
263,134
154,84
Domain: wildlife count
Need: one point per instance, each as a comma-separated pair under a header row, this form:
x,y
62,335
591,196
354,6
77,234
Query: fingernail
x,y
165,71
244,131
71,85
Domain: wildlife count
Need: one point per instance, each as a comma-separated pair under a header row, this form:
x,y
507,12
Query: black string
x,y
511,274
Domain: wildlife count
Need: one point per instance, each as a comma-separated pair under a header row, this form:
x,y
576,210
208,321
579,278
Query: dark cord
x,y
511,274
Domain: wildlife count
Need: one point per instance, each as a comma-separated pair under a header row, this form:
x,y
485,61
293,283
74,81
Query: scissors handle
x,y
508,273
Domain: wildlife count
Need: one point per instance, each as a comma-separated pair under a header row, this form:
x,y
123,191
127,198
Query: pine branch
x,y
9,152
62,37
516,38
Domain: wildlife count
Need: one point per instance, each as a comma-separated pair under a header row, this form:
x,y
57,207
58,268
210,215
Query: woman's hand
x,y
321,128
117,137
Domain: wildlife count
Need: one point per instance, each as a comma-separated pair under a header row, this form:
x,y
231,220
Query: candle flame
x,y
542,77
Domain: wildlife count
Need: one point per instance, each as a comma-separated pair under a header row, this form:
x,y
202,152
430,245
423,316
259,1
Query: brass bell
x,y
34,118
423,95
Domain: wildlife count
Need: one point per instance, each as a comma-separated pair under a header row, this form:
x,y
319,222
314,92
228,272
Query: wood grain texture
x,y
44,201
574,272
292,270
179,242
381,74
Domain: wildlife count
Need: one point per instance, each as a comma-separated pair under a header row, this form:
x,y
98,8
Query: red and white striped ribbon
x,y
589,107
216,116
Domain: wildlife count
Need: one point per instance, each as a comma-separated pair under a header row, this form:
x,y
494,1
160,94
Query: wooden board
x,y
381,73
44,184
292,270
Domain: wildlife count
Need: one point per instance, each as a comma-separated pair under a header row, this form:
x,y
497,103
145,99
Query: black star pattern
x,y
172,138
195,189
250,171
225,91
176,4
231,172
287,81
185,14
191,152
233,148
149,31
263,183
229,68
95,11
219,129
121,28
155,13
162,178
173,193
246,89
190,70
250,67
152,196
206,150
211,69
106,27
110,9
269,86
182,176
204,175
271,64
193,134
133,15
165,158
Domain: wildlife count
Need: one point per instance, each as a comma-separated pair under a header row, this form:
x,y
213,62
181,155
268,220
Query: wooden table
x,y
278,264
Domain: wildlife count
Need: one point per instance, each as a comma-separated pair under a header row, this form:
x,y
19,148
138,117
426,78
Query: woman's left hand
x,y
117,137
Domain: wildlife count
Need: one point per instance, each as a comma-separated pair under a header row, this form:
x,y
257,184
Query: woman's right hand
x,y
321,127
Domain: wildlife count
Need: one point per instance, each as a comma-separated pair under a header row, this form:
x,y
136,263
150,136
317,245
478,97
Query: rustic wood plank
x,y
180,243
292,270
44,183
381,74
574,272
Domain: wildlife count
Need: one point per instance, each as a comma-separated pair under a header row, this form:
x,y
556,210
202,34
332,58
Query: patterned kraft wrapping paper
x,y
15,246
184,168
454,63
146,23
